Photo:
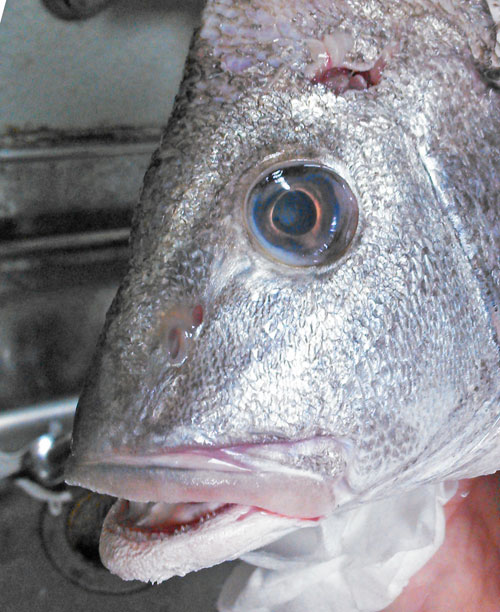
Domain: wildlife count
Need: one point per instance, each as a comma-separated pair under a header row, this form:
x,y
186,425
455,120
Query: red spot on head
x,y
343,78
340,79
197,315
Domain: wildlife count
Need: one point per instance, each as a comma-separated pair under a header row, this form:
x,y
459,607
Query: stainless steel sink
x,y
66,201
50,562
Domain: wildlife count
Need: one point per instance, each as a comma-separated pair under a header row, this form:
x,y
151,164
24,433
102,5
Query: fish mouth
x,y
185,509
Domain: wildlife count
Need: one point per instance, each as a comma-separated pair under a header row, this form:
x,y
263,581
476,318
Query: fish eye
x,y
302,214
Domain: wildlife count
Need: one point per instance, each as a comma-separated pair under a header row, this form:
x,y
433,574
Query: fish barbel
x,y
310,317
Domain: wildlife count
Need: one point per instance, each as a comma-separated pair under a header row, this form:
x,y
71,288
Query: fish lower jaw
x,y
153,541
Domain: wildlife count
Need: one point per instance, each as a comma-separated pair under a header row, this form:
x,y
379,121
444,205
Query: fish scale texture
x,y
248,34
393,347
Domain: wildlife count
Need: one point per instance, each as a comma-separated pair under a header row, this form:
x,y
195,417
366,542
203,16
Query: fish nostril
x,y
177,330
174,342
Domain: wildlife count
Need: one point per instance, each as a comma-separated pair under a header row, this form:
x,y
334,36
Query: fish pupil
x,y
294,213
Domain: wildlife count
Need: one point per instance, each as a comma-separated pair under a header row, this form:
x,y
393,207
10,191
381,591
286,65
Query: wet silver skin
x,y
392,351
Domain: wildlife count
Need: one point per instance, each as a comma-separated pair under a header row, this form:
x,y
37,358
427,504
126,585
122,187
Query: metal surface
x,y
52,306
77,182
42,460
65,212
120,68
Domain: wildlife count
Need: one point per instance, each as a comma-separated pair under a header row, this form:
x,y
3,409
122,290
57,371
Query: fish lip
x,y
244,474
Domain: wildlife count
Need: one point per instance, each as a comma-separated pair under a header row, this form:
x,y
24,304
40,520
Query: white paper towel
x,y
354,561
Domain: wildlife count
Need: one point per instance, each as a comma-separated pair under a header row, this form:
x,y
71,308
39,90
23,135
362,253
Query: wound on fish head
x,y
309,317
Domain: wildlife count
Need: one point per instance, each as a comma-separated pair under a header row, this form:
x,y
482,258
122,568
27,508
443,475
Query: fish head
x,y
309,318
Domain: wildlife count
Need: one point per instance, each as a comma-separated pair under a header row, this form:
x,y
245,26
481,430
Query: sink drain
x,y
71,542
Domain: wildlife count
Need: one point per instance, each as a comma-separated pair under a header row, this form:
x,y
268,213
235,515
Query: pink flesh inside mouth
x,y
168,519
161,518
